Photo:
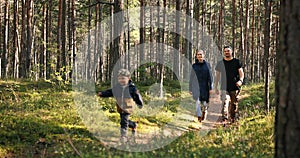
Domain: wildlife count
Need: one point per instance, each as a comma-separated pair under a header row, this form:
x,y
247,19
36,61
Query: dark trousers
x,y
125,123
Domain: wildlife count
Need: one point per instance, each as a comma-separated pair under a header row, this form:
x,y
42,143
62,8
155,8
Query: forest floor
x,y
183,121
40,119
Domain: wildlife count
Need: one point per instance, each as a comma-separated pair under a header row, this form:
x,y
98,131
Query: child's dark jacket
x,y
126,97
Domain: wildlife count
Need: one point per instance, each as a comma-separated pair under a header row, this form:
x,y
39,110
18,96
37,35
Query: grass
x,y
39,119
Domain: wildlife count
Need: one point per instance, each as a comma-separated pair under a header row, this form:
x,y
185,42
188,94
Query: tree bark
x,y
287,123
142,38
59,42
63,40
253,42
23,42
5,52
258,45
88,55
70,37
118,45
29,37
242,46
220,25
43,52
48,38
74,39
1,43
233,27
151,36
246,41
268,6
100,48
176,65
16,40
128,38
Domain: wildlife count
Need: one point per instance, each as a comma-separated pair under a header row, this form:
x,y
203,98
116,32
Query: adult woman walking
x,y
201,84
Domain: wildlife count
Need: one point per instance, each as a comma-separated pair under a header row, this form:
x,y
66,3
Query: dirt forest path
x,y
213,116
153,137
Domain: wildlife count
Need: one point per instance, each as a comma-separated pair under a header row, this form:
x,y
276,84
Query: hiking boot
x,y
232,120
133,129
224,121
123,139
199,119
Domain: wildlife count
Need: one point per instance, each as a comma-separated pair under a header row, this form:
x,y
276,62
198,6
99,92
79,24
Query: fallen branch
x,y
71,143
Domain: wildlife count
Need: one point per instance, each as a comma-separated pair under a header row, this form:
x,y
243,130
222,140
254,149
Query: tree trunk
x,y
246,41
162,67
197,18
268,6
23,42
43,45
16,40
5,52
233,26
142,38
109,60
29,37
1,44
203,45
88,55
96,38
221,22
48,38
287,123
158,41
258,45
118,45
253,42
176,65
70,37
59,43
188,41
128,38
151,36
242,44
63,40
74,39
100,48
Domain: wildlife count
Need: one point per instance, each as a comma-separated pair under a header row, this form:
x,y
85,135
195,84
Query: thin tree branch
x,y
71,143
99,2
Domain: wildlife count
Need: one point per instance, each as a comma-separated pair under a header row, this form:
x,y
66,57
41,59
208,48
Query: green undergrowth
x,y
39,119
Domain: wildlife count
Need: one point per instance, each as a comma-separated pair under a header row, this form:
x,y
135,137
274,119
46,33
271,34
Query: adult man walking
x,y
230,72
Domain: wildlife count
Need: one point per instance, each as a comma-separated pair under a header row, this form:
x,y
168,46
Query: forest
x,y
57,54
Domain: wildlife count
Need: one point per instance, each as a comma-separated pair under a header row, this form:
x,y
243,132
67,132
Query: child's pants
x,y
125,123
199,107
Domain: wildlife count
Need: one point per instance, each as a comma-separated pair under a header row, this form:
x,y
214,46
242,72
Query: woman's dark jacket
x,y
201,81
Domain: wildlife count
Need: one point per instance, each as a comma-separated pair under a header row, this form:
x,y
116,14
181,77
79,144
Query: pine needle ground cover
x,y
39,119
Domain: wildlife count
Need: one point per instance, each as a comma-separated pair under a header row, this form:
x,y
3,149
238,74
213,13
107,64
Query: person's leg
x,y
198,110
124,124
225,99
132,125
234,104
204,109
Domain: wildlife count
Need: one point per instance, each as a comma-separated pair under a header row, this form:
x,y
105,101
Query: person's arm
x,y
210,80
217,80
137,97
241,80
192,76
107,93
